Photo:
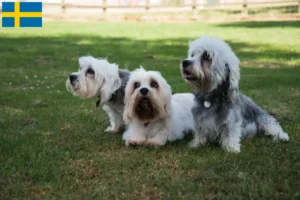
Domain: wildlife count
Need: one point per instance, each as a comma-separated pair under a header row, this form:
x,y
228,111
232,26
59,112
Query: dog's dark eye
x,y
153,84
205,56
136,85
192,55
90,71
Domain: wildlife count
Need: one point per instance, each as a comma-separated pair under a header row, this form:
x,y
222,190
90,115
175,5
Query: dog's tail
x,y
268,125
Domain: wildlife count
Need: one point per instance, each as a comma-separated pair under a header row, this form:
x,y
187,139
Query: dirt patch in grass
x,y
44,62
270,65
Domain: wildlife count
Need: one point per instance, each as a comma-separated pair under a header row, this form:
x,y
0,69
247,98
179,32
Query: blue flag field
x,y
22,14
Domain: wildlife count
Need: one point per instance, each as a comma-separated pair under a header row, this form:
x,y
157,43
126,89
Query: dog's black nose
x,y
186,63
144,91
72,77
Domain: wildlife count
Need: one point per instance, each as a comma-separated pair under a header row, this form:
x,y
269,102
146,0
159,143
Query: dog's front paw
x,y
196,142
232,148
112,129
134,142
155,143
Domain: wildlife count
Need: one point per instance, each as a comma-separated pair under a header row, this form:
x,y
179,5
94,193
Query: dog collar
x,y
112,96
218,95
115,93
98,101
122,75
207,104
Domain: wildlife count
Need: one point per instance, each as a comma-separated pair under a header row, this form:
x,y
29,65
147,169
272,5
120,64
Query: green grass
x,y
53,145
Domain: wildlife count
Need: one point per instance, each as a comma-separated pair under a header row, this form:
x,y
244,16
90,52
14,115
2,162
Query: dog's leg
x,y
269,126
134,135
113,118
118,120
134,142
231,137
199,139
159,139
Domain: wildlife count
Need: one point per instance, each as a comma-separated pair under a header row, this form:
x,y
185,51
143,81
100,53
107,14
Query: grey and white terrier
x,y
221,113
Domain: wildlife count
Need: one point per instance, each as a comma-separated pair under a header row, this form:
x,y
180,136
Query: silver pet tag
x,y
207,104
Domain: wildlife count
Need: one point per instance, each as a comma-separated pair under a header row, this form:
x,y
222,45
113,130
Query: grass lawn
x,y
53,145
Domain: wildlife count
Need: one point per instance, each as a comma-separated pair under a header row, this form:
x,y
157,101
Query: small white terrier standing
x,y
99,78
152,113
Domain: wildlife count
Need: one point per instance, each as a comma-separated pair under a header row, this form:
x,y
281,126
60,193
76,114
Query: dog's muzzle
x,y
72,78
186,64
144,91
186,67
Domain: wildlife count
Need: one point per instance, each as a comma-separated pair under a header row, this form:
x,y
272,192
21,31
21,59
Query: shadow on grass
x,y
279,10
122,50
45,54
263,24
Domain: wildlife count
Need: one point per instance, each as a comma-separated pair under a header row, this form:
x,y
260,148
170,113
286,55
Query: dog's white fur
x,y
102,83
221,112
172,116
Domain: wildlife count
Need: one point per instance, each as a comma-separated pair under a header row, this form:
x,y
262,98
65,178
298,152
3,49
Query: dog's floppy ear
x,y
112,82
127,114
167,100
165,94
234,76
109,87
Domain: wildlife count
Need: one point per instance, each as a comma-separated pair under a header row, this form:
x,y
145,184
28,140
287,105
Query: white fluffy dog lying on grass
x,y
153,115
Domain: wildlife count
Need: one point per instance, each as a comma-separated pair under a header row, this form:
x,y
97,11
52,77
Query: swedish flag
x,y
22,14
